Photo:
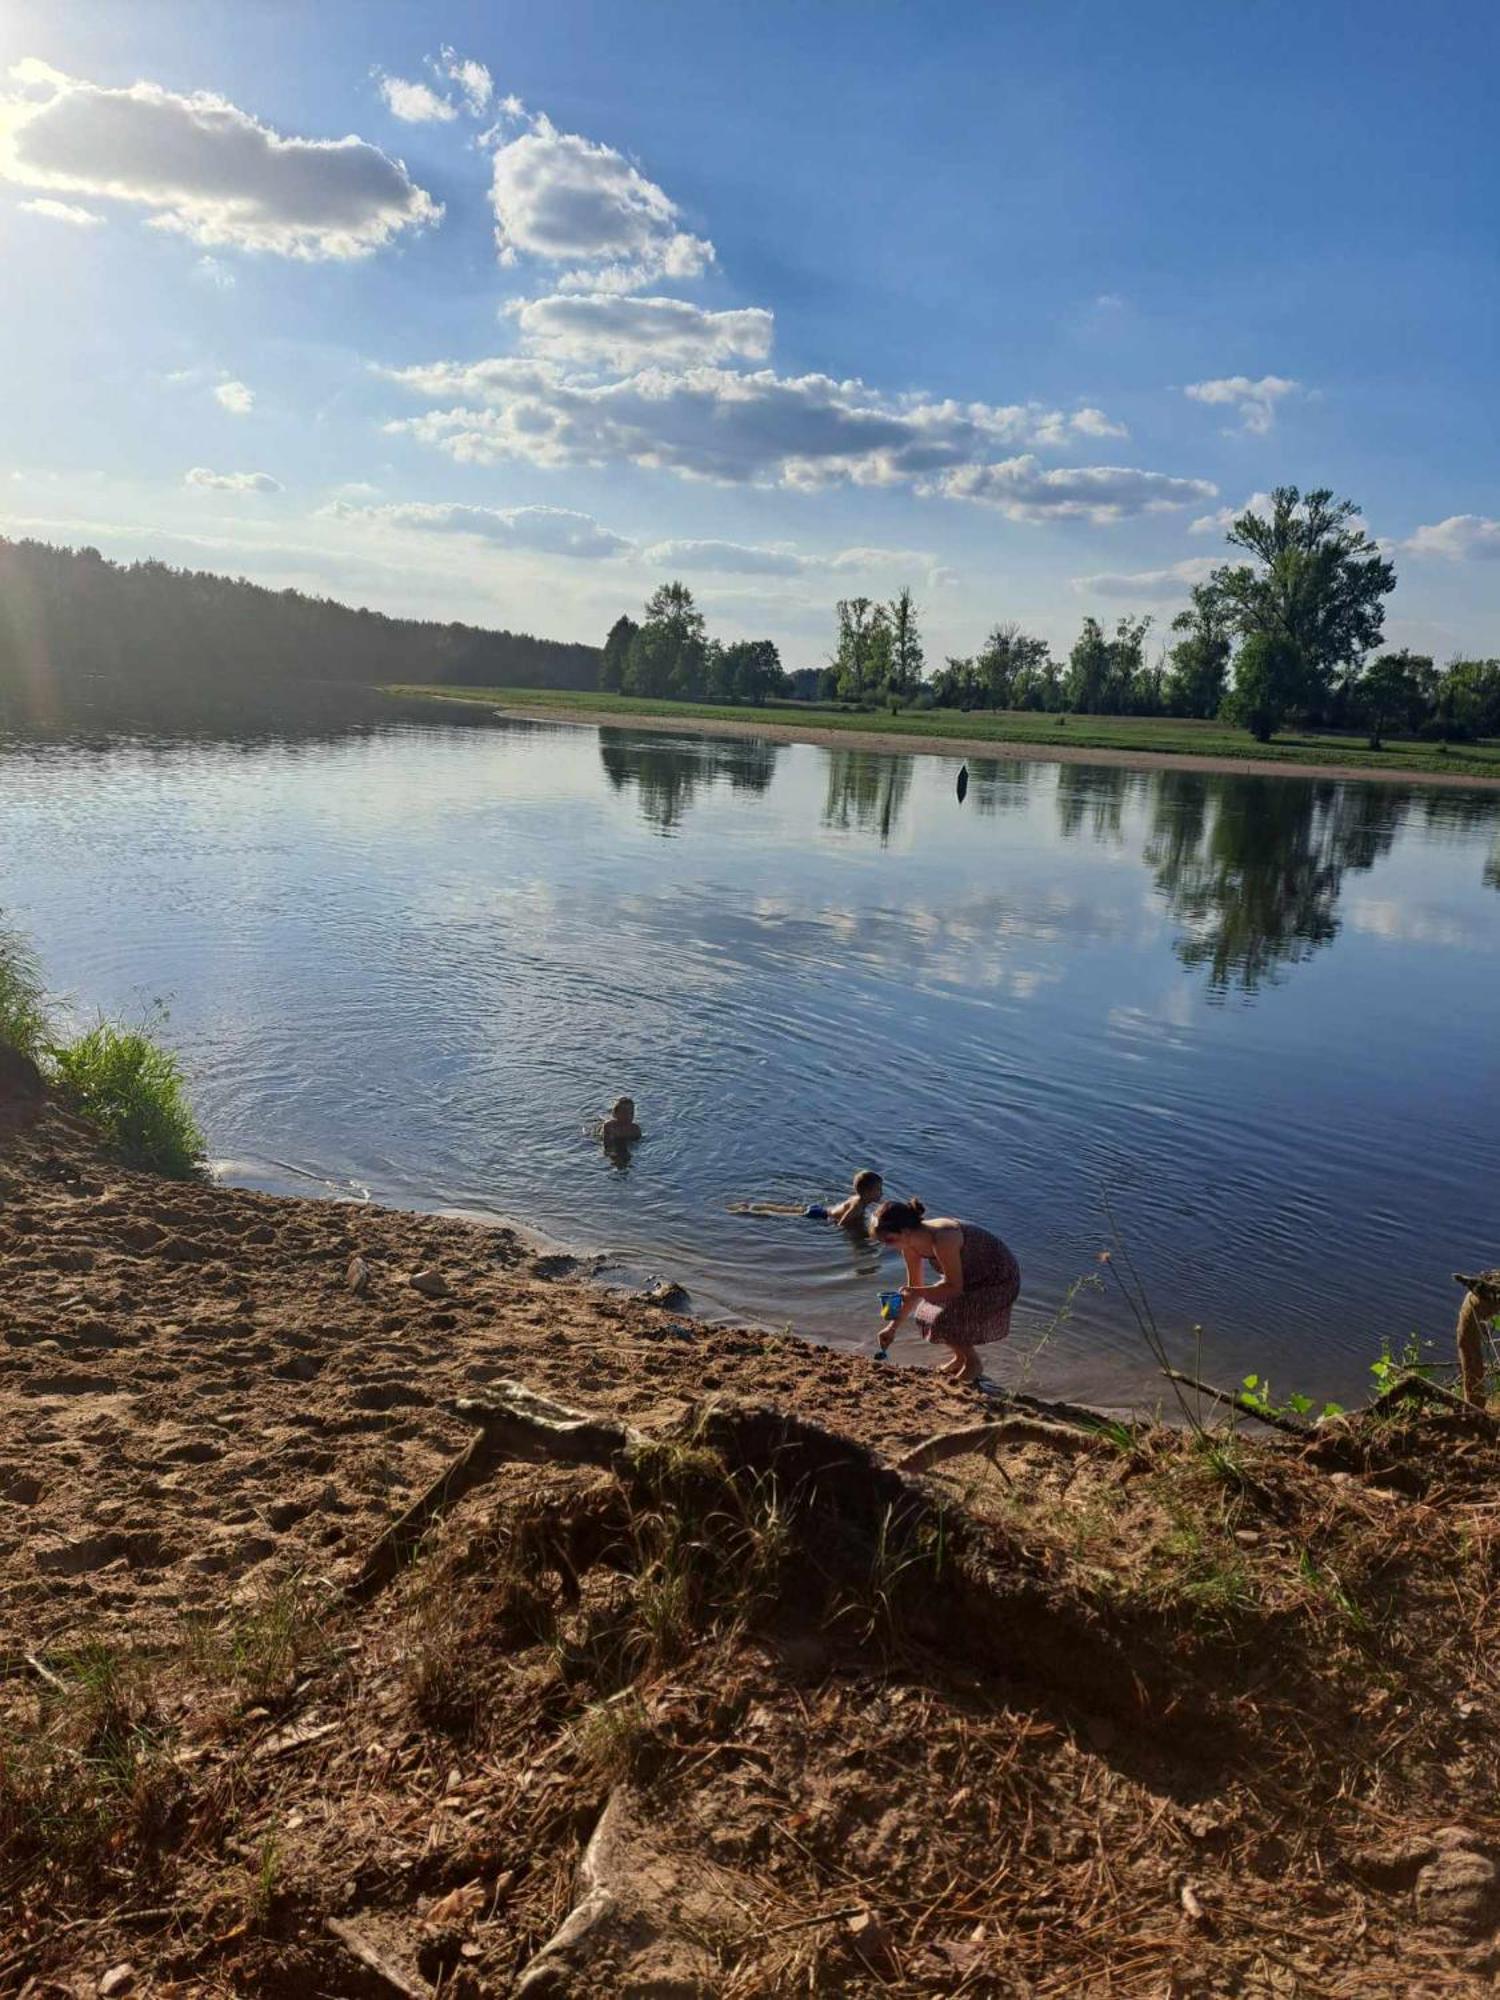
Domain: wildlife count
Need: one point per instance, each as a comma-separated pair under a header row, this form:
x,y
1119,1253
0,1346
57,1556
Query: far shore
x,y
528,705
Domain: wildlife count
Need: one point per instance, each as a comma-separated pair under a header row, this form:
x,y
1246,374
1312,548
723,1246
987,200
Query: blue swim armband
x,y
815,1212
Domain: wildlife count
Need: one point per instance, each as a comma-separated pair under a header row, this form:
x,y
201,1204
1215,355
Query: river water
x,y
1254,1018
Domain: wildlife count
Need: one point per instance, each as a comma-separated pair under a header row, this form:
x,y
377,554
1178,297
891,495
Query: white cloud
x,y
235,397
1150,586
560,532
727,558
232,482
1025,490
209,170
554,531
1461,538
1224,518
781,559
213,271
564,199
1060,430
64,211
1254,402
472,78
414,103
712,423
588,329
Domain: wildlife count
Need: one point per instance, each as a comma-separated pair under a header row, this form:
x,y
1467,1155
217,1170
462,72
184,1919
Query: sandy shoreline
x,y
818,1743
960,746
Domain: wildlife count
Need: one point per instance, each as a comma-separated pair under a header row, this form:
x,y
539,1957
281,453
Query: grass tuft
x,y
262,1650
133,1090
24,1022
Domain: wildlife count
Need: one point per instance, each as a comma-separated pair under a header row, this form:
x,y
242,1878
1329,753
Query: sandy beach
x,y
1061,752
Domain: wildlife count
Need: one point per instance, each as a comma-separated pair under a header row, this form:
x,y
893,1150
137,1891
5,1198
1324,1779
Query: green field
x,y
1133,735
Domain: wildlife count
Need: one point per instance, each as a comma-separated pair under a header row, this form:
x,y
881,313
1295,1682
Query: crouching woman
x,y
978,1281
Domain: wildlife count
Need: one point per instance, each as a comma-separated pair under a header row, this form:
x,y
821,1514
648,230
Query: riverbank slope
x,y
1135,743
1127,1712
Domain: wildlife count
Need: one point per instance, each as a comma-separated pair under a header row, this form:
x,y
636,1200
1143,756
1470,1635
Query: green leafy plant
x,y
1256,1390
1388,1368
133,1090
24,1023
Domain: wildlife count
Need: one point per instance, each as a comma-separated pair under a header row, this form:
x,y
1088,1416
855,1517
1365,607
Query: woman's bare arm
x,y
947,1247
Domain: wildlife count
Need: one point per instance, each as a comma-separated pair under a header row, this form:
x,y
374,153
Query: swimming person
x,y
620,1128
850,1213
979,1282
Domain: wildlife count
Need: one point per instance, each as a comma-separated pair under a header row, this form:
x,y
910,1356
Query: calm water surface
x,y
1257,1015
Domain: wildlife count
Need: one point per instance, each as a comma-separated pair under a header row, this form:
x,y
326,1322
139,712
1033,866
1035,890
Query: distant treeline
x,y
87,641
1287,631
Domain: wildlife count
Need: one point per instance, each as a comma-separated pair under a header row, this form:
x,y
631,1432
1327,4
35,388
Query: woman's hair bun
x,y
916,1207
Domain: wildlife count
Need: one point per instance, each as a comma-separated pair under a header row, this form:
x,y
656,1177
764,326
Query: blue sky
x,y
794,301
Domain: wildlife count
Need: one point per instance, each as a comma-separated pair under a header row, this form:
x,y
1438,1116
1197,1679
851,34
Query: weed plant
x,y
133,1090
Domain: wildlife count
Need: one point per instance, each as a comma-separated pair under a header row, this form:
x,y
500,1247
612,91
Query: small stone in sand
x,y
119,1979
357,1277
431,1284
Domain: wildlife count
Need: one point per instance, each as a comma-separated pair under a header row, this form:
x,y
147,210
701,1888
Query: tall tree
x,y
861,660
1391,693
669,653
1104,675
616,653
1088,670
1270,679
1315,583
905,675
1198,665
754,670
1008,658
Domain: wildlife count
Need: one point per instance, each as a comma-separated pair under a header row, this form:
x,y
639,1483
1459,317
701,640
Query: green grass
x,y
24,1022
121,1081
1143,735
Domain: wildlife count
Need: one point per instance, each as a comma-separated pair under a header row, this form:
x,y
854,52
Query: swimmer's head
x,y
868,1186
623,1109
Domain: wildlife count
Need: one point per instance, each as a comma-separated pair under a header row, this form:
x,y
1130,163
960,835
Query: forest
x,y
85,641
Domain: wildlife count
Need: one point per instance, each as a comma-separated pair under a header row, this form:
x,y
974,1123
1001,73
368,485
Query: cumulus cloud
x,y
235,397
553,531
1087,423
232,482
713,423
209,170
1025,490
417,103
473,80
781,559
566,200
591,329
414,103
64,211
1149,586
1254,402
1461,538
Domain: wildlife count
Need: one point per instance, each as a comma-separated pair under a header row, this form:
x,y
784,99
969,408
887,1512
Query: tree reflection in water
x,y
668,772
1461,813
1000,784
866,790
1252,867
1096,794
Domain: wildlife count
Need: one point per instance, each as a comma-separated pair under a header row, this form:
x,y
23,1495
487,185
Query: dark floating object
x,y
963,783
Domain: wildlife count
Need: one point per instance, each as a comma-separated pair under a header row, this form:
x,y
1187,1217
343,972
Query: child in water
x,y
619,1128
850,1212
